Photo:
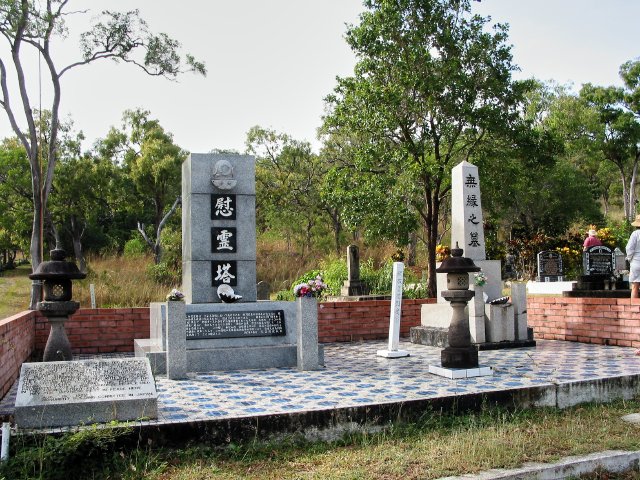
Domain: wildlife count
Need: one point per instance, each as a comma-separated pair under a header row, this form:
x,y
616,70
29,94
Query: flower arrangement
x,y
480,279
442,252
312,288
175,295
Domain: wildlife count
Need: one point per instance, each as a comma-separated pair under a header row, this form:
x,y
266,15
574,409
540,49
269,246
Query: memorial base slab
x,y
455,373
234,336
393,353
56,394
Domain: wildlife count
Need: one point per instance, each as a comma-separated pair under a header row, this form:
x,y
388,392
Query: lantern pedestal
x,y
460,358
460,353
58,347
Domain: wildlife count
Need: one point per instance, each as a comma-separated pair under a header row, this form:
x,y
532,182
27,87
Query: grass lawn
x,y
438,445
14,290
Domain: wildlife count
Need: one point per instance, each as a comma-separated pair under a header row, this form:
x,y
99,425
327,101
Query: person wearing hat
x,y
633,256
592,240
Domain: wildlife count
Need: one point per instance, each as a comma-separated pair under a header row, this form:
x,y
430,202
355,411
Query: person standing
x,y
592,240
633,256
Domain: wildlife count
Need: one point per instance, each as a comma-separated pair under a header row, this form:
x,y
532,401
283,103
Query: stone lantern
x,y
460,353
57,304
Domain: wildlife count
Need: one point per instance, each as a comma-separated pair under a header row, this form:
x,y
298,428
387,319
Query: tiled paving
x,y
354,376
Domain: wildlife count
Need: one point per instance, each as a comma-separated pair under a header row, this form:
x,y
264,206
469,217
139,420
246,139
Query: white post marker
x,y
6,434
92,291
396,310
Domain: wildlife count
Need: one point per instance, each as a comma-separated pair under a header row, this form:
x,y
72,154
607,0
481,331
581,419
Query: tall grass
x,y
124,282
14,290
119,282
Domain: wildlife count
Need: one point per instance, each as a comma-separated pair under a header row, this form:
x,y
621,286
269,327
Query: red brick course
x,y
16,346
604,321
99,330
369,320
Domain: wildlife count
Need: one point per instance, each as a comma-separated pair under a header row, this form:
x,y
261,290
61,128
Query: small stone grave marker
x,y
550,267
53,394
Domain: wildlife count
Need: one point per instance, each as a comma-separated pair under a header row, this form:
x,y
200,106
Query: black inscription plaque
x,y
598,261
223,207
224,272
549,266
223,240
235,324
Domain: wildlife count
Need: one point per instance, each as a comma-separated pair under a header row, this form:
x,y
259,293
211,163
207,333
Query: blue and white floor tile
x,y
355,376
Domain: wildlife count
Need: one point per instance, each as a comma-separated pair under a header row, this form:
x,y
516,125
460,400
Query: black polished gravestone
x,y
550,267
598,280
598,260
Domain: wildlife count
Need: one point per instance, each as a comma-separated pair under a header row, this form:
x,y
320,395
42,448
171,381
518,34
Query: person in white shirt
x,y
633,255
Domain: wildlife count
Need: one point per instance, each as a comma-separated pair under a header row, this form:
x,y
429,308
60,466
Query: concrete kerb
x,y
614,461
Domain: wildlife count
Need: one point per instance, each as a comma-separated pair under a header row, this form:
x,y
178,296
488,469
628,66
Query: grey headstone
x,y
264,290
53,394
519,301
353,263
499,324
353,286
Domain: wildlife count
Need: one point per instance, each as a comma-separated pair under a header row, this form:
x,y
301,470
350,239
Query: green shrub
x,y
171,241
135,247
334,273
164,274
285,295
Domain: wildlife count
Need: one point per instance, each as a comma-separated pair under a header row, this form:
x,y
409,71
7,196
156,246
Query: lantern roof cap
x,y
456,263
57,268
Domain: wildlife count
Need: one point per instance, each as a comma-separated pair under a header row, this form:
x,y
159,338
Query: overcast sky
x,y
271,62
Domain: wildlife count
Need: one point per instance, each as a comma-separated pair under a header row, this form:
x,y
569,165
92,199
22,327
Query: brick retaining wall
x,y
369,320
605,321
16,346
98,330
107,330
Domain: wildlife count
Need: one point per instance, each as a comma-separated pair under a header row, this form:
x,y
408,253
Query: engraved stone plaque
x,y
204,325
598,260
54,394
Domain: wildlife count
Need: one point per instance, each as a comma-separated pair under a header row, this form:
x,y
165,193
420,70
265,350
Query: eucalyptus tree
x,y
32,27
431,81
151,161
616,133
290,180
15,200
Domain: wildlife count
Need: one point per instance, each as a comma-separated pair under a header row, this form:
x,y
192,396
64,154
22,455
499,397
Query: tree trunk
x,y
632,190
412,249
625,196
36,251
76,238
